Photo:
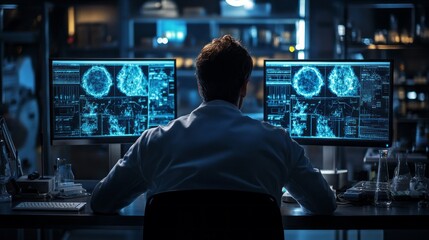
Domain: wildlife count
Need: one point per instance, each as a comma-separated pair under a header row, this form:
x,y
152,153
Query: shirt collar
x,y
219,103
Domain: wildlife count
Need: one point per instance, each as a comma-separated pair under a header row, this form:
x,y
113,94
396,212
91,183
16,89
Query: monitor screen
x,y
109,100
331,102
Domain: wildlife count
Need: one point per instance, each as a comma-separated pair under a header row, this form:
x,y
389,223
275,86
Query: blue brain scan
x,y
343,81
308,82
97,81
132,81
325,100
323,130
299,123
115,128
110,99
89,125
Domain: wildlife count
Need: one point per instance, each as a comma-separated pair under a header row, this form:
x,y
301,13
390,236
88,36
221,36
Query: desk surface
x,y
402,215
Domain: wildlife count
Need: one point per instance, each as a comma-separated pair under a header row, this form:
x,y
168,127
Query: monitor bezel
x,y
100,139
339,142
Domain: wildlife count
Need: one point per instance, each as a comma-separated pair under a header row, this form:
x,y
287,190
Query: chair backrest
x,y
212,214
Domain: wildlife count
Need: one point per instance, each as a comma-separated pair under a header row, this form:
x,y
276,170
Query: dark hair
x,y
222,67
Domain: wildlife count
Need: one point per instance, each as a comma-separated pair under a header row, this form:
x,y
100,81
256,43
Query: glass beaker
x,y
67,174
419,183
402,176
64,173
382,196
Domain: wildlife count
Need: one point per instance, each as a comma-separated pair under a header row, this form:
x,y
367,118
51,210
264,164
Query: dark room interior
x,y
382,47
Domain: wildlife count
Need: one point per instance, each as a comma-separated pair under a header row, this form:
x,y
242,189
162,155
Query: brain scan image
x,y
323,129
97,81
111,100
308,81
132,81
89,125
343,81
329,100
114,127
300,117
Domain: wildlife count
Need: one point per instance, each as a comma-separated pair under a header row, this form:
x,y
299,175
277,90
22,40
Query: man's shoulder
x,y
270,127
165,127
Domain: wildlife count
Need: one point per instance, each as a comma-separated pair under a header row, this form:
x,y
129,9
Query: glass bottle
x,y
420,137
419,183
57,170
382,196
64,174
401,181
68,176
57,177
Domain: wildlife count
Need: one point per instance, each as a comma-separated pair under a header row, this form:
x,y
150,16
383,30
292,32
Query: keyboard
x,y
50,206
362,191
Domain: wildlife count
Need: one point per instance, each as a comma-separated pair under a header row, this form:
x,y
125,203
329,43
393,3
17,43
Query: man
x,y
216,146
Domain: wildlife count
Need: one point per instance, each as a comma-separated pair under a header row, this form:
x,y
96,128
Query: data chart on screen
x,y
110,99
322,101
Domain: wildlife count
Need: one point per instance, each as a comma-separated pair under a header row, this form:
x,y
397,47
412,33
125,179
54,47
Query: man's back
x,y
217,147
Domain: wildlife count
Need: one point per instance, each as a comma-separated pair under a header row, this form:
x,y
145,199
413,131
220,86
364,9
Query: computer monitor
x,y
97,101
331,102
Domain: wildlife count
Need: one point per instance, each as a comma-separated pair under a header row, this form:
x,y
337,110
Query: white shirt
x,y
214,147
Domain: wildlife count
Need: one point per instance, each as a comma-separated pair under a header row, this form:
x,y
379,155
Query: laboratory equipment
x,y
382,195
401,180
63,173
66,173
419,183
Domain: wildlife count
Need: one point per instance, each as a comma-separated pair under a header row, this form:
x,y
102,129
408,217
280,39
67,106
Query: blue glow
x,y
299,111
89,109
307,82
132,81
412,95
323,129
106,100
89,125
321,102
114,127
97,81
173,31
343,81
241,3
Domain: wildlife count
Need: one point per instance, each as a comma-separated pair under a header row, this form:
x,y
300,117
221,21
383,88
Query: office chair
x,y
212,214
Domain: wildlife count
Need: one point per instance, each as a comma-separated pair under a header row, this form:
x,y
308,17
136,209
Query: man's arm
x,y
121,186
308,186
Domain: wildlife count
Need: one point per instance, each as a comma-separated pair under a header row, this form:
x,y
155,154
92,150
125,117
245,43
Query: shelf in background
x,y
372,155
19,37
193,51
221,20
415,46
401,119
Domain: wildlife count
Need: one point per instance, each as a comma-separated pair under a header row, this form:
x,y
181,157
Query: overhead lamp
x,y
241,3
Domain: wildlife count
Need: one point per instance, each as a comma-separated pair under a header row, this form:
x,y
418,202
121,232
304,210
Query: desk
x,y
129,217
402,215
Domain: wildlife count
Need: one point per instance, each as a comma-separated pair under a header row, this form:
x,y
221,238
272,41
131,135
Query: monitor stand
x,y
114,154
337,178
